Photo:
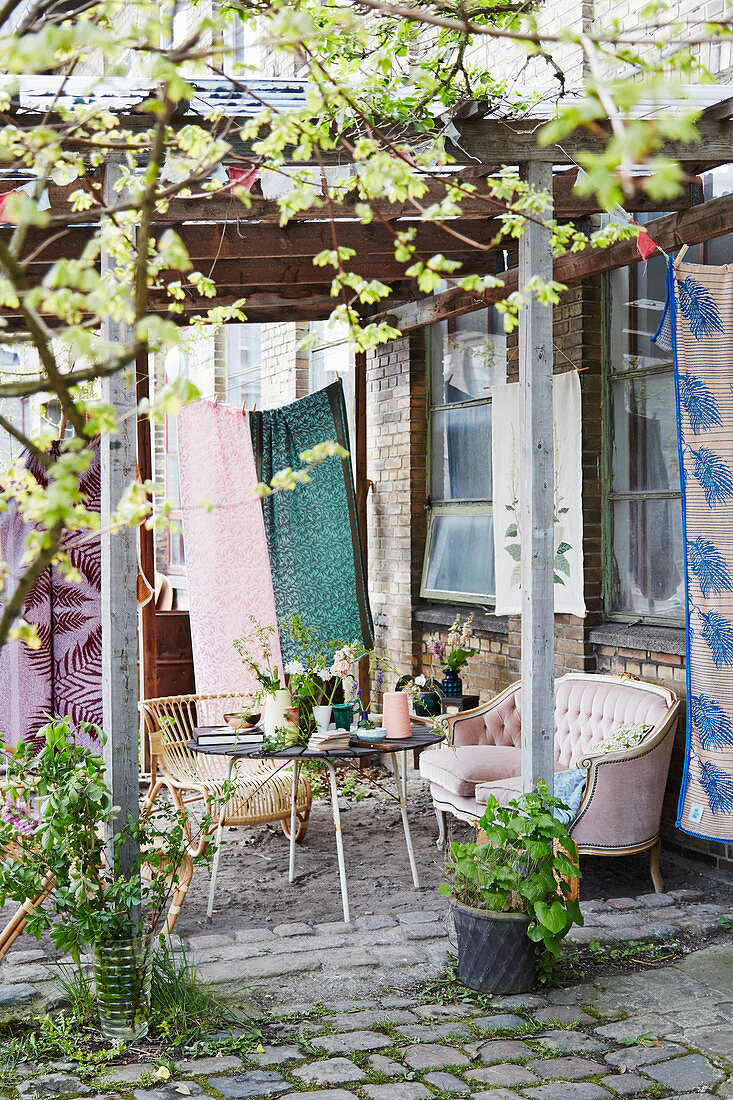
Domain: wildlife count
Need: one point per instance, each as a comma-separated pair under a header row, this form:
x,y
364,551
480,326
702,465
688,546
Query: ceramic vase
x,y
451,685
277,704
396,715
322,716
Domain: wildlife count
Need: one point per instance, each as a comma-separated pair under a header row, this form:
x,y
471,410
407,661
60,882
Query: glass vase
x,y
122,973
451,685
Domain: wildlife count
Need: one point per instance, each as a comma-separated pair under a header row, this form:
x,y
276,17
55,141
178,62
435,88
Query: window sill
x,y
440,616
640,636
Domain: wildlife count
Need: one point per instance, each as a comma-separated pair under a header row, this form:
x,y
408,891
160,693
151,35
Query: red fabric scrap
x,y
3,201
242,177
644,244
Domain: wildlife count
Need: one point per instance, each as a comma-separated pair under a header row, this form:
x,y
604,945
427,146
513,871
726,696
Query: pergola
x,y
250,255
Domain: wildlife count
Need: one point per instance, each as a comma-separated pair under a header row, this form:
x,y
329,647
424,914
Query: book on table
x,y
225,735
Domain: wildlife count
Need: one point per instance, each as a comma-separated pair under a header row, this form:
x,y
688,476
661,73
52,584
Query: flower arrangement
x,y
255,651
454,653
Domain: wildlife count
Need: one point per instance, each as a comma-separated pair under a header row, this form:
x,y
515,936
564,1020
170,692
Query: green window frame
x,y
459,489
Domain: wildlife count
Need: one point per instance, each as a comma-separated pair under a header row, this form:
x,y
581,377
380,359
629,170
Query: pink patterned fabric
x,y
226,554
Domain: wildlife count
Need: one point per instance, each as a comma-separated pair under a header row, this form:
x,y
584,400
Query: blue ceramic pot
x,y
427,704
451,685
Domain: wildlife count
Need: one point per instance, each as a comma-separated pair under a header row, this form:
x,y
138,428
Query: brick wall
x,y
397,447
285,365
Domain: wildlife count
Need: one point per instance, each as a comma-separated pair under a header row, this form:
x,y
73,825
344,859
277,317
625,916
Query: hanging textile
x,y
312,533
699,318
568,512
227,565
64,675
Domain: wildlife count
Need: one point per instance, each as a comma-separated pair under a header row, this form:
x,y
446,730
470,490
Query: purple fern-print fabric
x,y
64,675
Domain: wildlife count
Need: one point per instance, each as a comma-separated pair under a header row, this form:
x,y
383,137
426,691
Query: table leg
x,y
293,820
219,834
401,777
339,839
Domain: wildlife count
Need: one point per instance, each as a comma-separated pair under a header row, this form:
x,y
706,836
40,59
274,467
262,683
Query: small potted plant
x,y
56,805
453,655
513,894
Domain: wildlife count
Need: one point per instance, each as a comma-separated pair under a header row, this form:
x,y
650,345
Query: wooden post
x,y
148,654
361,485
119,582
537,479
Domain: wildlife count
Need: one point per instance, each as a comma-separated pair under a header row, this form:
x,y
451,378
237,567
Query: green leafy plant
x,y
524,865
51,830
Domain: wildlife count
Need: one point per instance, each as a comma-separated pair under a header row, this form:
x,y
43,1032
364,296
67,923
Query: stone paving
x,y
665,1032
344,1017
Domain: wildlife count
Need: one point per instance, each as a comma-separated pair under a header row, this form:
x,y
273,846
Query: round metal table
x,y
421,739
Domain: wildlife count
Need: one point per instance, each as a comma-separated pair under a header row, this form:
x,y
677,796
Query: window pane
x,y
461,453
644,434
637,303
468,357
176,553
647,576
244,365
461,555
717,183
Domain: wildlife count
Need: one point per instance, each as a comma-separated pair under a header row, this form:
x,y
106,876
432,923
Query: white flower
x,y
294,668
421,681
323,674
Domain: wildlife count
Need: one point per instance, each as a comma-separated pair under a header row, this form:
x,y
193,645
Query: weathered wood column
x,y
537,478
119,578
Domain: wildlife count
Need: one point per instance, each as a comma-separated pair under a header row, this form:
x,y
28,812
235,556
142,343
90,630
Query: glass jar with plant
x,y
56,804
514,894
453,654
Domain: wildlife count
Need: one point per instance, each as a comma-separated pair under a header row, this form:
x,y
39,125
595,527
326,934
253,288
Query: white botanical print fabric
x,y
568,512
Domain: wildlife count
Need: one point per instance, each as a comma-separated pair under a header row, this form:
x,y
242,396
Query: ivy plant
x,y
523,862
55,807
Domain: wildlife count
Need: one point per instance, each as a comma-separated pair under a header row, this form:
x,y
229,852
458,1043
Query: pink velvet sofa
x,y
622,803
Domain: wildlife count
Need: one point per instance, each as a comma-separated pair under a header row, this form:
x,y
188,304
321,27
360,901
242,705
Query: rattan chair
x,y
262,787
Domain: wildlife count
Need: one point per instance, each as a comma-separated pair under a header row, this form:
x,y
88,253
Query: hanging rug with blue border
x,y
698,325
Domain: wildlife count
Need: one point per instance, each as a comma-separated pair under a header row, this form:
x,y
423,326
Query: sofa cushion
x,y
502,789
459,769
626,736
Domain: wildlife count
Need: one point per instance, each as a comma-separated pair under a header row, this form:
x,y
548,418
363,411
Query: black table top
x,y
421,738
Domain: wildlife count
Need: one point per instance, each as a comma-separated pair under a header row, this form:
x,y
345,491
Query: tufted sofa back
x,y
586,712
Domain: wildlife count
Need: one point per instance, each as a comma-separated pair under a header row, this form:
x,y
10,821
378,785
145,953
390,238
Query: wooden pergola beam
x,y
223,206
701,223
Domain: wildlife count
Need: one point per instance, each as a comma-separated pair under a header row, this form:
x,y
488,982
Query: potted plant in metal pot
x,y
110,902
513,894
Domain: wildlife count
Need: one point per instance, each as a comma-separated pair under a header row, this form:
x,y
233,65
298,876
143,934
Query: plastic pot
x,y
495,954
122,973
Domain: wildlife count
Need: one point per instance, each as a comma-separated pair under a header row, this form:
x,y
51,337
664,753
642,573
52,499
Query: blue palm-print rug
x,y
700,320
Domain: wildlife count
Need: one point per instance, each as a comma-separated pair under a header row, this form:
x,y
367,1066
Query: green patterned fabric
x,y
312,533
626,736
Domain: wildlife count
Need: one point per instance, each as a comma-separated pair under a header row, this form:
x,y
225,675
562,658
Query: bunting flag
x,y
313,536
699,312
242,177
43,202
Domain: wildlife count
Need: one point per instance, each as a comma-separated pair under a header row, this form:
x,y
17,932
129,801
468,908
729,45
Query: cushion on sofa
x,y
626,736
459,769
502,789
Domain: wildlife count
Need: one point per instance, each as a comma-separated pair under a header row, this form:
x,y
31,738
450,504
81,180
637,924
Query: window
x,y
467,356
644,578
643,529
330,356
244,365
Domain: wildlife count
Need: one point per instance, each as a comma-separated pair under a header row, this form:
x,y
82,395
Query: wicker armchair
x,y
263,787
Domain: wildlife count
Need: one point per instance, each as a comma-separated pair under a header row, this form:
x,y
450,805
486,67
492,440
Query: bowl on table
x,y
242,721
370,735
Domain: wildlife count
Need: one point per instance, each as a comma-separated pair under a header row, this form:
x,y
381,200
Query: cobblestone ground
x,y
343,1017
667,1032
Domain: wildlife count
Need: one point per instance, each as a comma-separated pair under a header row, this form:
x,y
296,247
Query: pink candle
x,y
396,715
